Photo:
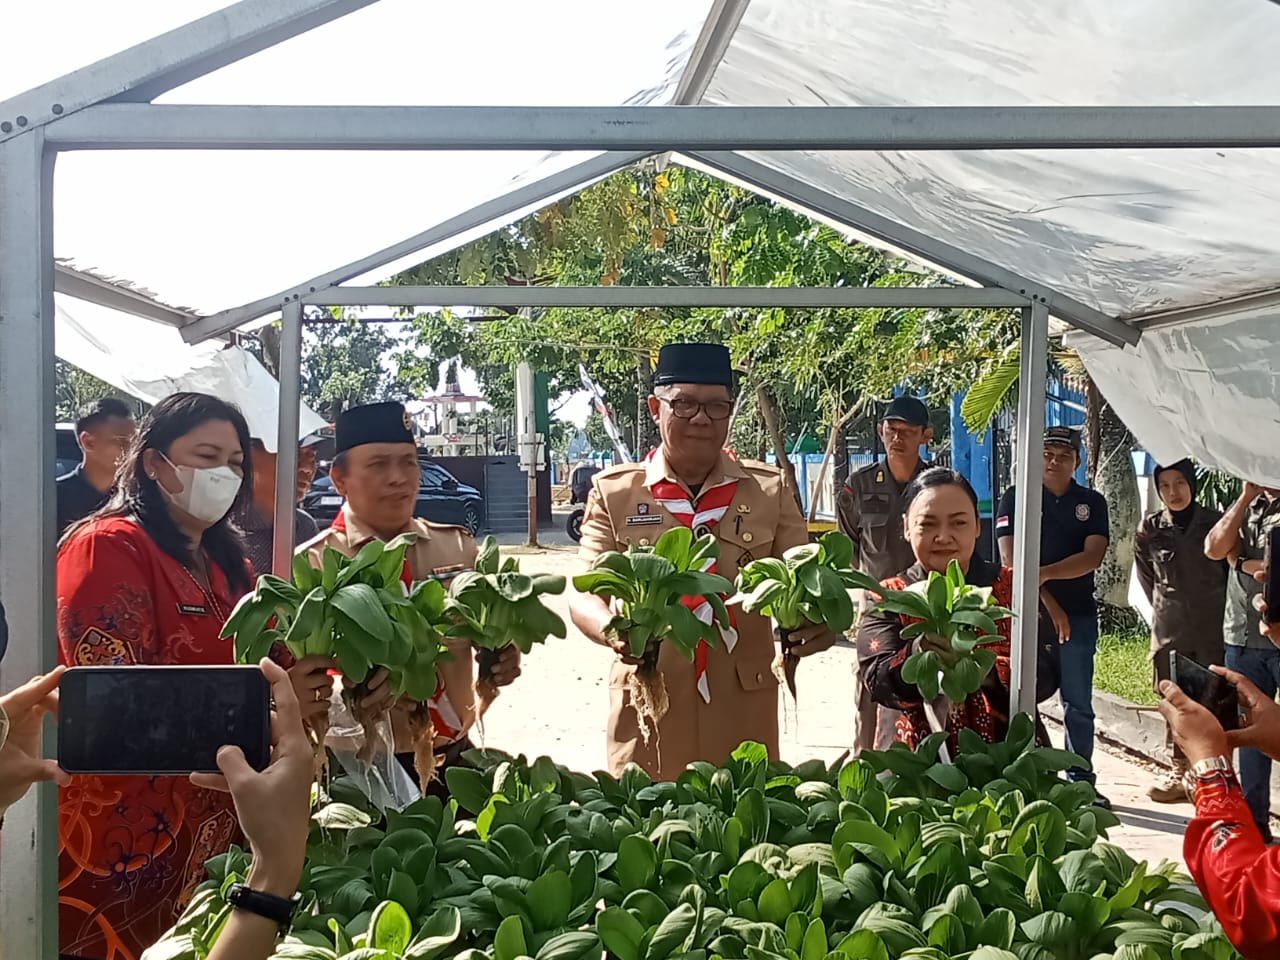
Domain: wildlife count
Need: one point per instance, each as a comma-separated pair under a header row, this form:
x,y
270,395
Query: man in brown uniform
x,y
377,470
690,480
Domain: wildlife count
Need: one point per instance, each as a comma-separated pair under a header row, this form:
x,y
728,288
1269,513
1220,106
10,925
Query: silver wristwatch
x,y
1212,765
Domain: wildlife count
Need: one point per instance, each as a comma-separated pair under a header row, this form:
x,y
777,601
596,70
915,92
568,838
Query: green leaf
x,y
550,898
637,864
863,945
1051,929
571,945
775,902
675,545
390,928
672,932
509,942
436,935
359,603
620,932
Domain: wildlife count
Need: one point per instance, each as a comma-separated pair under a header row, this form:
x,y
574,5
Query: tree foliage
x,y
346,363
676,226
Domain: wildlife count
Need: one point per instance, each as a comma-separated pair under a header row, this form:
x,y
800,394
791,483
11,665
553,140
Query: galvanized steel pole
x,y
287,440
1029,477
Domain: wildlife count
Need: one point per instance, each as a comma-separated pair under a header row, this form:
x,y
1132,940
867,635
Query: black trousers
x,y
451,757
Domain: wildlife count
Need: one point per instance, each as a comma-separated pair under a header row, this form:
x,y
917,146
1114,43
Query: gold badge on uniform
x,y
746,537
879,476
744,508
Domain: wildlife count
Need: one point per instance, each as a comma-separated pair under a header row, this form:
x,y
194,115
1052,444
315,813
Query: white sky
x,y
210,230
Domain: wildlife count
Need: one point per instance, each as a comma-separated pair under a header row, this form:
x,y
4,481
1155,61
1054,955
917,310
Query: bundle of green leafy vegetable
x,y
958,614
497,606
894,856
355,610
810,584
648,585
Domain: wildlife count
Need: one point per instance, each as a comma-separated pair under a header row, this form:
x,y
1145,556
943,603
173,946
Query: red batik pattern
x,y
132,849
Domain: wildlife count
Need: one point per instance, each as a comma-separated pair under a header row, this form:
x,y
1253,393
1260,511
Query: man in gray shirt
x,y
1240,537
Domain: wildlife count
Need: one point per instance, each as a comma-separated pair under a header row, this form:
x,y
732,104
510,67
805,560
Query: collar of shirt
x,y
656,469
358,534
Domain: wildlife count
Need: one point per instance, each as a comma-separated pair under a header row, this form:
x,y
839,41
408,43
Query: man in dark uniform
x,y
1074,533
1187,591
377,470
869,511
104,431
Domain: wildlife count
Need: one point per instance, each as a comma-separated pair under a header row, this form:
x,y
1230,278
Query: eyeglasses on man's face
x,y
687,409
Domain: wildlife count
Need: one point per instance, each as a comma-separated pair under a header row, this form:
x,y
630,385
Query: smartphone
x,y
1214,693
161,720
1271,584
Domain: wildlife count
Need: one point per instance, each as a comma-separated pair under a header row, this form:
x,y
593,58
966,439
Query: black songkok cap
x,y
373,423
694,363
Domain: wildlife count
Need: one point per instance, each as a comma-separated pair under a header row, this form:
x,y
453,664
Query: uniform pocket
x,y
756,675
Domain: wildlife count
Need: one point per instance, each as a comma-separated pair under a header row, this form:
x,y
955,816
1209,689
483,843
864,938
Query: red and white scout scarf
x,y
444,718
711,504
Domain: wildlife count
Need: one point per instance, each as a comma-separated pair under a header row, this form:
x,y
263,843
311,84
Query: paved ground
x,y
558,708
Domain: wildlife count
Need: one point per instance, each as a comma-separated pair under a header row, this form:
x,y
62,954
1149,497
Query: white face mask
x,y
207,492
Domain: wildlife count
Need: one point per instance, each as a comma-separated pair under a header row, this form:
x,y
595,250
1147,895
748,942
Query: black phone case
x,y
1216,694
1270,584
73,710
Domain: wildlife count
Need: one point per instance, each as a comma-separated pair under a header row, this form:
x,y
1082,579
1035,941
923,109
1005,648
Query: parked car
x,y
66,449
441,498
580,483
579,489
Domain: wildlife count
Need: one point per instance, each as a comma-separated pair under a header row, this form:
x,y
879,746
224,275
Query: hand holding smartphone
x,y
1214,693
146,720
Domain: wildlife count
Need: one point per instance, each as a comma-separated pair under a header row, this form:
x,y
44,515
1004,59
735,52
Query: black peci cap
x,y
694,363
372,423
909,410
1063,437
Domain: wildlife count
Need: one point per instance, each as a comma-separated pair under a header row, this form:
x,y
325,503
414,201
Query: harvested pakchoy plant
x,y
498,607
355,610
657,590
962,616
810,584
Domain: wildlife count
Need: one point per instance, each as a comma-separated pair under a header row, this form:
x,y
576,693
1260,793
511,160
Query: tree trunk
x,y
646,430
1111,474
840,471
269,337
770,414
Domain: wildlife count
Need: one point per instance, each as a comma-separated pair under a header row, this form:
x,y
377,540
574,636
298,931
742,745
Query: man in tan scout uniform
x,y
690,480
377,470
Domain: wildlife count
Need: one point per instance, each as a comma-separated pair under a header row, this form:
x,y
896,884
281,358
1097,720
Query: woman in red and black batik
x,y
942,525
150,579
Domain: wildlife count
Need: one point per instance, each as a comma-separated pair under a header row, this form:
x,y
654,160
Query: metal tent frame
x,y
108,105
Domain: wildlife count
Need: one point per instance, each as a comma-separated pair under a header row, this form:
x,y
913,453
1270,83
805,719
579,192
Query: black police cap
x,y
372,423
694,363
908,409
1063,437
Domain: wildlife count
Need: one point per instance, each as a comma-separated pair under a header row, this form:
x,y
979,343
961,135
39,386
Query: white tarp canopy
x,y
109,345
1126,233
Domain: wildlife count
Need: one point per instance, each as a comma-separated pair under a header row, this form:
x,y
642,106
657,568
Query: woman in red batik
x,y
149,579
941,518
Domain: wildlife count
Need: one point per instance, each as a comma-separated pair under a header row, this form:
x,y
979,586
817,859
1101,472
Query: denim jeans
x,y
1077,690
1263,668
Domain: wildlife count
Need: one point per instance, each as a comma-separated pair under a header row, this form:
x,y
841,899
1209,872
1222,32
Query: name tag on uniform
x,y
642,518
193,609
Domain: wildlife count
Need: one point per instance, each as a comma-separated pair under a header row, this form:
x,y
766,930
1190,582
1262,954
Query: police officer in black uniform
x,y
1074,532
869,511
